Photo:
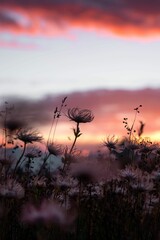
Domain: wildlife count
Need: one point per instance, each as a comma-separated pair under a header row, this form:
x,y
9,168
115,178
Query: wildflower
x,y
80,116
147,149
28,136
132,145
54,149
65,182
110,143
129,173
143,184
156,178
139,187
34,152
39,181
11,189
47,213
96,191
119,190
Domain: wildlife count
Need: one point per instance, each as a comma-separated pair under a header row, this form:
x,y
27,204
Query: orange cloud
x,y
52,17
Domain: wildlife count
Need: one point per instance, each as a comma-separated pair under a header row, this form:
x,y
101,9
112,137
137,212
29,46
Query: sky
x,y
102,54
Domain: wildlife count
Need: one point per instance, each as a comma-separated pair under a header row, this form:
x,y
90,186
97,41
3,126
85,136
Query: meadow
x,y
112,195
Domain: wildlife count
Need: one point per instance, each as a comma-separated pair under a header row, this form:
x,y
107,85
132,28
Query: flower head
x,y
28,136
80,116
54,149
111,142
130,173
11,189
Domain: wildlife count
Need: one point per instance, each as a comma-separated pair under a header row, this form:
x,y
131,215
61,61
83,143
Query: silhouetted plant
x,y
78,116
115,195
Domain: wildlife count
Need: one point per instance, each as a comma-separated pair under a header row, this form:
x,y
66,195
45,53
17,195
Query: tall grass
x,y
114,195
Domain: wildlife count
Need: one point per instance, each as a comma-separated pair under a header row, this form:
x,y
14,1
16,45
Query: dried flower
x,y
130,173
54,149
111,142
28,136
11,189
65,182
80,116
139,187
147,149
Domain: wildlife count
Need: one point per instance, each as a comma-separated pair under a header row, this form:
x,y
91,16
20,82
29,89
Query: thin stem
x,y
44,162
24,149
131,129
57,114
50,130
76,134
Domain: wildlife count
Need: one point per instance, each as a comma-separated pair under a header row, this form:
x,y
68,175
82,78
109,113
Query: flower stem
x,y
76,134
44,162
24,149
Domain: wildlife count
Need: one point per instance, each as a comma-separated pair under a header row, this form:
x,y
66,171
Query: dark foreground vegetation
x,y
114,195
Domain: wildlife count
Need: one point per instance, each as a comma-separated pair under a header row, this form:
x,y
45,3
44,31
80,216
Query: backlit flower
x,y
28,136
130,173
110,143
80,115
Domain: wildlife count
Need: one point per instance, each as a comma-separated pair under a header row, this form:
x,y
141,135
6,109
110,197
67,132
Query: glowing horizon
x,y
108,107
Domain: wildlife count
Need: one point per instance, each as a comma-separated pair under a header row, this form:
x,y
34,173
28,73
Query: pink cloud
x,y
52,17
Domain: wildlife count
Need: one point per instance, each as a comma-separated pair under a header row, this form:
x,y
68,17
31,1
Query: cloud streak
x,y
56,17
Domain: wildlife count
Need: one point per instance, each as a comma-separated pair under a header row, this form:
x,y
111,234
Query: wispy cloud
x,y
54,17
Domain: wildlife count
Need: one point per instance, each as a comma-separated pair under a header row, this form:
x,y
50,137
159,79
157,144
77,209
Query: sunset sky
x,y
103,54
